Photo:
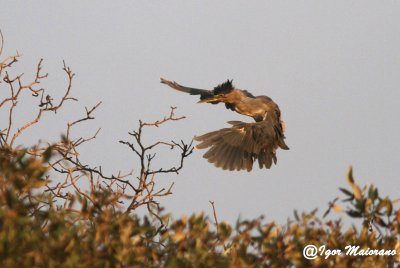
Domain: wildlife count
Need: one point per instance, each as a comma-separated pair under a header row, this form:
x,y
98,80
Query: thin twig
x,y
215,215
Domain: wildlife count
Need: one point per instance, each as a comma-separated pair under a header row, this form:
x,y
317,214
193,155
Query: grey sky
x,y
332,67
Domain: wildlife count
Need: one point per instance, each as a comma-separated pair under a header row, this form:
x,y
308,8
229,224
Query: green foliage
x,y
34,232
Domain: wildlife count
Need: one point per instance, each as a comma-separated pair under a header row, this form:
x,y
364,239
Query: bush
x,y
35,232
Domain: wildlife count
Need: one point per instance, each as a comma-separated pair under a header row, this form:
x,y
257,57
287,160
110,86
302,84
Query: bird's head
x,y
220,93
213,99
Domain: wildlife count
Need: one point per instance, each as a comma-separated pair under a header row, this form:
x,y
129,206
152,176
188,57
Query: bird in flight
x,y
239,146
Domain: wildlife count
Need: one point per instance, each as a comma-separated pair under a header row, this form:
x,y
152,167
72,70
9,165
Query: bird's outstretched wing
x,y
237,147
190,90
213,96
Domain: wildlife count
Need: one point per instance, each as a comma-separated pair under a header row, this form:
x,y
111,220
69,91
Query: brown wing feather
x,y
237,147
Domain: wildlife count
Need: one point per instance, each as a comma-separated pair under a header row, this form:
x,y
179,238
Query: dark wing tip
x,y
283,145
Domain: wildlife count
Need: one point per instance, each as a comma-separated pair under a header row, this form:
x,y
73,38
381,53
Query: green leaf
x,y
357,192
296,215
354,213
346,192
389,207
387,204
350,178
372,193
379,221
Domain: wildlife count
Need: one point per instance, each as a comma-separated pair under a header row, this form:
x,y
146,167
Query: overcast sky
x,y
332,67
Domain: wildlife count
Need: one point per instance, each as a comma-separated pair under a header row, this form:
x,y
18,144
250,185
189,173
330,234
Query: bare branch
x,y
171,117
215,215
187,149
145,192
24,127
2,42
63,156
45,104
70,76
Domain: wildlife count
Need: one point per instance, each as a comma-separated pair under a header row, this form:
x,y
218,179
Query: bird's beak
x,y
211,99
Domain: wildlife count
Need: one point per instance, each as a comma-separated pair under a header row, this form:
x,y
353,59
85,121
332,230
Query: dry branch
x,y
63,156
145,192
